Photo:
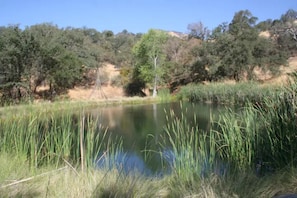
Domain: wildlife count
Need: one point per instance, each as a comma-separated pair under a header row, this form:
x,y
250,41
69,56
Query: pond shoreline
x,y
77,104
240,138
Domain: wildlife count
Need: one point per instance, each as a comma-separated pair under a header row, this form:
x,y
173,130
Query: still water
x,y
141,126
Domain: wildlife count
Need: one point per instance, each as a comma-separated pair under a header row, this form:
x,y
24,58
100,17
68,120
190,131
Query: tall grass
x,y
54,138
236,135
191,155
164,95
239,93
280,127
256,140
262,134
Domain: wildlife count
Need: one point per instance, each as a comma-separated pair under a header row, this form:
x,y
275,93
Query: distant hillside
x,y
177,34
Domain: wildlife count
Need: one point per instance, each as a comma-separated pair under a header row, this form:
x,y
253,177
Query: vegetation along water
x,y
193,147
253,143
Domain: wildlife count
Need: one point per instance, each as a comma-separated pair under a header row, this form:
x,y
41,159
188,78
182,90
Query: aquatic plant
x,y
223,93
261,136
54,138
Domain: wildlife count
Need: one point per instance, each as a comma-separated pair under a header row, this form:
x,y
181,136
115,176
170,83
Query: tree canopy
x,y
149,55
62,58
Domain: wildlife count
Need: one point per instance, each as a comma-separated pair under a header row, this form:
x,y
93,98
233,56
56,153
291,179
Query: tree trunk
x,y
156,78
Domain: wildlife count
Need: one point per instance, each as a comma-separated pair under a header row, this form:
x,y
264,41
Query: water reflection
x,y
140,127
133,164
135,122
126,163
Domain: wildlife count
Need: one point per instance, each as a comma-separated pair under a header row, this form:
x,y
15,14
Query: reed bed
x,y
55,138
253,143
239,93
262,134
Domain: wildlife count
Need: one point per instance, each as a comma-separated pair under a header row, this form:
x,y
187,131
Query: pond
x,y
140,128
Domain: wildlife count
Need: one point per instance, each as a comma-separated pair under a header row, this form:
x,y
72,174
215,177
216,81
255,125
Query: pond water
x,y
140,127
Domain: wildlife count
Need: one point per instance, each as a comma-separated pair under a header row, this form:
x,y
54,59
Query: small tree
x,y
149,55
198,31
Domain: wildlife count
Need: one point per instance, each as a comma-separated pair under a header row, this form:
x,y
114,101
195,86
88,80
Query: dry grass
x,y
282,78
92,183
105,91
59,183
93,93
265,34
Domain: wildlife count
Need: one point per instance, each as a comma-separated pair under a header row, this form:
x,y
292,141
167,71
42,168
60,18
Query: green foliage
x,y
237,136
58,54
71,67
12,64
40,53
285,31
289,16
198,31
287,43
62,57
149,54
242,22
264,25
44,54
204,66
179,57
247,49
234,51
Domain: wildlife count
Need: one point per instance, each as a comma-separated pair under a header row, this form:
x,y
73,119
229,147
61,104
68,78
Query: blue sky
x,y
136,15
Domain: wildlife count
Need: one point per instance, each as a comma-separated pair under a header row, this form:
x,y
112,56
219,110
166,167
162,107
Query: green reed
x,y
236,136
224,93
280,128
164,95
192,148
54,138
261,136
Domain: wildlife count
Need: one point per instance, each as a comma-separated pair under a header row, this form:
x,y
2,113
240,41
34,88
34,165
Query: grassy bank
x,y
79,105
